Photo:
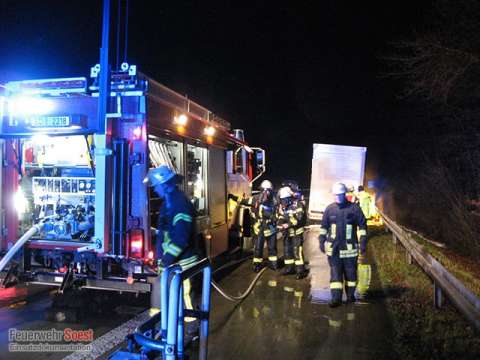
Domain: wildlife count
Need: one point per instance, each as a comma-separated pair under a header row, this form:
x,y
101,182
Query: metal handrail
x,y
172,312
444,282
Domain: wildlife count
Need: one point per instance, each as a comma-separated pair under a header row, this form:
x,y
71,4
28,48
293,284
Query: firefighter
x,y
175,238
338,239
297,194
263,211
291,221
175,235
365,201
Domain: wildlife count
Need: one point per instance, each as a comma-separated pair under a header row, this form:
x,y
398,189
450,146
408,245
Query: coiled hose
x,y
244,295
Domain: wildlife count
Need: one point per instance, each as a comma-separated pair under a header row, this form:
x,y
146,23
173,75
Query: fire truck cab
x,y
86,189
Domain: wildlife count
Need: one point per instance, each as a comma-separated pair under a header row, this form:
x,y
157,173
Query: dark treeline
x,y
434,156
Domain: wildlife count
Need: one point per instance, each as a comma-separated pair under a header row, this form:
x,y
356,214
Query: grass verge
x,y
420,330
464,268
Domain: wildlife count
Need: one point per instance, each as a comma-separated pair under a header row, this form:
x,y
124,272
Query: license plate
x,y
50,122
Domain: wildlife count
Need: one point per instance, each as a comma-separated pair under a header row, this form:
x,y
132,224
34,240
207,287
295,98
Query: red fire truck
x,y
74,209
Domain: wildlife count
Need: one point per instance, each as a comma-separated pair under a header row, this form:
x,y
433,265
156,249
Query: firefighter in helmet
x,y
338,239
365,202
263,209
291,221
297,194
175,238
175,233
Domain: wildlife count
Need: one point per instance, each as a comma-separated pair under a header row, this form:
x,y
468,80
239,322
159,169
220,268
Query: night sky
x,y
288,73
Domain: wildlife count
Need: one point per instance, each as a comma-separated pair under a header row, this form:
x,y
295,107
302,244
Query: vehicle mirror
x,y
259,162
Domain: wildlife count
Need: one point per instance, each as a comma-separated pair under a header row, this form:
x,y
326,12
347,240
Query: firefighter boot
x,y
289,270
350,290
257,267
301,271
336,299
336,292
334,303
191,331
273,265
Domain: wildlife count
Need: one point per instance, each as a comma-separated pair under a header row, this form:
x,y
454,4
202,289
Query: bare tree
x,y
440,67
442,63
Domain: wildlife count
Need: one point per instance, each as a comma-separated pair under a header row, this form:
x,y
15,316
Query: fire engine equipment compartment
x,y
57,183
56,157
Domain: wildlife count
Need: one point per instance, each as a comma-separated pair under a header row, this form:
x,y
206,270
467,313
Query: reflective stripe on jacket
x,y
176,235
338,231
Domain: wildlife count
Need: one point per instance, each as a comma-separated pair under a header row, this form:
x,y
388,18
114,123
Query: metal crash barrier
x,y
444,283
169,339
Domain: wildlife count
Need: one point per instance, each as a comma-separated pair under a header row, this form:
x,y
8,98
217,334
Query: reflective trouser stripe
x,y
351,283
323,231
272,258
336,285
362,232
187,288
257,260
300,256
289,261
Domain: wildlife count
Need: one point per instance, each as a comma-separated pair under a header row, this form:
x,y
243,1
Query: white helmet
x,y
285,192
339,188
266,184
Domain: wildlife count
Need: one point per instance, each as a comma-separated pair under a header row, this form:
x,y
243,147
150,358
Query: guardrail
x,y
444,283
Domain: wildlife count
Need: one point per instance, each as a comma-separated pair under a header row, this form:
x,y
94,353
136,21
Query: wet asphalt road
x,y
28,313
283,318
280,321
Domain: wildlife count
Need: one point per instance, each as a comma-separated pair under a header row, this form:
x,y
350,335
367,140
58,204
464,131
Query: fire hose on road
x,y
246,292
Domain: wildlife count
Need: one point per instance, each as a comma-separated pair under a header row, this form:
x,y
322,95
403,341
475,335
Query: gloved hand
x,y
363,248
160,267
322,246
154,231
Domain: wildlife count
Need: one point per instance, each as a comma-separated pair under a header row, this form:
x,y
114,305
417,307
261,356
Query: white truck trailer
x,y
331,163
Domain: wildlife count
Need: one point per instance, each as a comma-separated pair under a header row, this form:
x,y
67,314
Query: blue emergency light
x,y
56,106
52,87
